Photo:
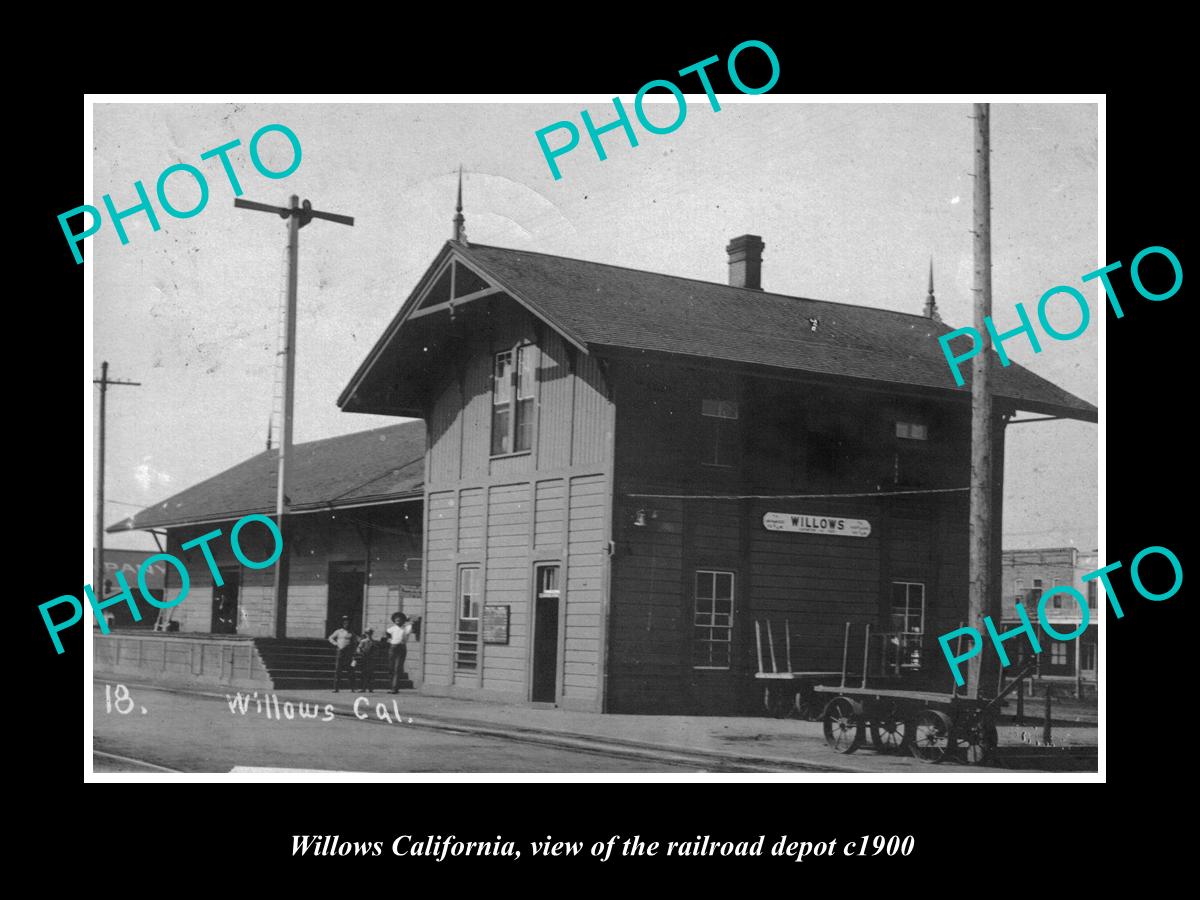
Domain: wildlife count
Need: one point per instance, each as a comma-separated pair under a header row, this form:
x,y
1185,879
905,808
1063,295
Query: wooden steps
x,y
307,663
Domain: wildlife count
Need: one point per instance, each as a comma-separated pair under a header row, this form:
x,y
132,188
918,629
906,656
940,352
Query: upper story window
x,y
719,443
913,431
910,463
513,377
1091,594
1035,593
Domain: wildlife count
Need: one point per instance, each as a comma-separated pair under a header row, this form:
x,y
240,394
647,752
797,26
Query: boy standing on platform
x,y
364,662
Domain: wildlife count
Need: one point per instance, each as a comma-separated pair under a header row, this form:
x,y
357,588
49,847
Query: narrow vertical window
x,y
466,644
713,634
719,445
910,465
526,373
502,402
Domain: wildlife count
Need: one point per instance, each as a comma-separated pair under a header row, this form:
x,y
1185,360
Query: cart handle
x,y
1022,673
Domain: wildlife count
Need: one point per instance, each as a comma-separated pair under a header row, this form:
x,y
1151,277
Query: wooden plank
x,y
792,676
888,694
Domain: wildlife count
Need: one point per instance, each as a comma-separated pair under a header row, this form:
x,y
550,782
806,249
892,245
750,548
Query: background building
x,y
1027,575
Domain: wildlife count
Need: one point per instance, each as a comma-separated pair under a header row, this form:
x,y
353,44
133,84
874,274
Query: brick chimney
x,y
745,261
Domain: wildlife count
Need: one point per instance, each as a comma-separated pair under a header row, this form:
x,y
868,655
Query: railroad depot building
x,y
352,545
629,474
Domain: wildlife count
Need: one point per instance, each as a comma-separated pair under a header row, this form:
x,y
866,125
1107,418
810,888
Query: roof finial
x,y
931,310
460,223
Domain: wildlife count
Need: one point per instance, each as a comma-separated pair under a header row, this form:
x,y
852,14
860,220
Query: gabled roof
x,y
366,468
596,306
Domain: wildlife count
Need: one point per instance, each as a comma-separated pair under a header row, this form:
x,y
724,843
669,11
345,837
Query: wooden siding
x,y
442,525
508,583
587,552
815,583
508,514
171,661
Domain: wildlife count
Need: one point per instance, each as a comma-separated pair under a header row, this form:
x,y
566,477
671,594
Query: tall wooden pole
x,y
298,216
98,560
289,389
983,667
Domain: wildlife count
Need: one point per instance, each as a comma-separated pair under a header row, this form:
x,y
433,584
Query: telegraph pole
x,y
984,666
298,216
98,562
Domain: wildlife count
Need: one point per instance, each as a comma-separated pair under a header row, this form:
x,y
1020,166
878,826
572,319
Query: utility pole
x,y
984,666
298,216
98,562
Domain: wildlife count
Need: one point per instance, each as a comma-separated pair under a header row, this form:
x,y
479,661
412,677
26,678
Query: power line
x,y
793,496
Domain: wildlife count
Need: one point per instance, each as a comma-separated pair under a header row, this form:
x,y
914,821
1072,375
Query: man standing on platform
x,y
343,639
398,633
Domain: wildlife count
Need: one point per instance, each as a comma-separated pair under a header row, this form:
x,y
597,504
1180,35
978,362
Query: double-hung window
x,y
719,445
513,378
910,464
466,642
713,629
908,623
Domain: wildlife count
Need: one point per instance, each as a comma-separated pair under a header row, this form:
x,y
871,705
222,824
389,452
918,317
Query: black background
x,y
963,831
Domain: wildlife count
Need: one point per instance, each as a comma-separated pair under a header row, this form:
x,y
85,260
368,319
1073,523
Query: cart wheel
x,y
978,742
889,733
932,738
778,701
843,725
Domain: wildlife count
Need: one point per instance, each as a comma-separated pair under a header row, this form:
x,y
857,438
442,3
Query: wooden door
x,y
345,598
544,676
225,603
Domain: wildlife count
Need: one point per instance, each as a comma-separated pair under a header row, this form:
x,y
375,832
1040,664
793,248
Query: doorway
x,y
346,583
544,676
225,602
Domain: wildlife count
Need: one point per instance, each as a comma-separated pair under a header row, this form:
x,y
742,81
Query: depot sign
x,y
806,524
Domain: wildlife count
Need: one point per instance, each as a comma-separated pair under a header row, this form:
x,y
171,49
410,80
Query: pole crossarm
x,y
305,213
